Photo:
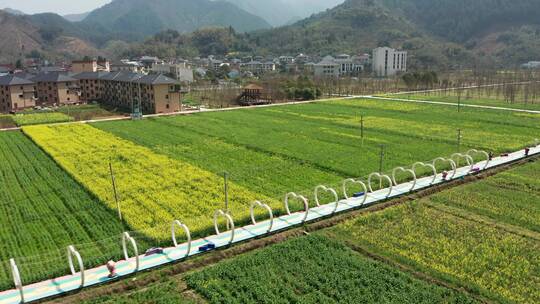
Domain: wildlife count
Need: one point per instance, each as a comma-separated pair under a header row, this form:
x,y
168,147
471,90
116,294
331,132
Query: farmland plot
x,y
492,101
153,189
294,148
313,269
492,262
40,118
511,197
42,211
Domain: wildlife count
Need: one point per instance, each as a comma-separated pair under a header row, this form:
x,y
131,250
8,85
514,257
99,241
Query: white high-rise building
x,y
388,61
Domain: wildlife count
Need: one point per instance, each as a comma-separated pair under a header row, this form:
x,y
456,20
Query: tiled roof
x,y
13,80
156,79
89,75
53,77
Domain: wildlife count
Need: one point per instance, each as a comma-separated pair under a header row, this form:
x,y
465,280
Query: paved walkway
x,y
125,268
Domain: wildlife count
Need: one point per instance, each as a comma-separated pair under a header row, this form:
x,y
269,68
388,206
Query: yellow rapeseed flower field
x,y
153,189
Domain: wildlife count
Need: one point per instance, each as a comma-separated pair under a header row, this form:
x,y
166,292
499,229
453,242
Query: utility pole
x,y
362,128
382,153
226,189
140,99
226,183
459,141
115,191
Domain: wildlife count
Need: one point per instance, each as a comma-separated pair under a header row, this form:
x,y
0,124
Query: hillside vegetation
x,y
438,34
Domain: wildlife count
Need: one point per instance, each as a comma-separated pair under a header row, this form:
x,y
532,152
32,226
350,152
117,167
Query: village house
x,y
342,65
16,94
181,71
128,66
257,67
326,68
93,65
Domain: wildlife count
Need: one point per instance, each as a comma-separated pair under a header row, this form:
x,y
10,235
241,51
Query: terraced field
x,y
43,210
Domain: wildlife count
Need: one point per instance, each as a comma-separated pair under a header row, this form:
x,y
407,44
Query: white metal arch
x,y
401,169
458,156
380,177
446,160
72,252
230,223
265,206
358,182
421,164
297,197
17,278
484,153
328,190
125,238
175,224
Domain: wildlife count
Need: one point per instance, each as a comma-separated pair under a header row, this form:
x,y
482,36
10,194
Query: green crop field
x,y
42,211
40,118
171,168
511,197
6,121
475,236
482,253
294,148
166,292
492,101
313,269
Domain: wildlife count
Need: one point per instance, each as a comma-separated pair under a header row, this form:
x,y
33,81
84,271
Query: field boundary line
x,y
484,220
453,104
214,257
418,274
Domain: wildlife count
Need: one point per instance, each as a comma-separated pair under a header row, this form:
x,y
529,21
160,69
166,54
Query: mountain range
x,y
437,34
442,33
284,12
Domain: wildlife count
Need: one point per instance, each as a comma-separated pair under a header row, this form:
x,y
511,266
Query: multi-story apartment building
x,y
56,89
157,93
16,94
90,85
388,62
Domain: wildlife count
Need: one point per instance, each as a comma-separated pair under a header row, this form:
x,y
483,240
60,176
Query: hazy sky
x,y
57,6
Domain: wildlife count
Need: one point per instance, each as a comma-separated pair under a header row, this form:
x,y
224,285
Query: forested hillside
x,y
438,34
283,12
143,18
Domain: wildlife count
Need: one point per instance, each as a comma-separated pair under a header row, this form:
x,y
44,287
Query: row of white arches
x,y
128,241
